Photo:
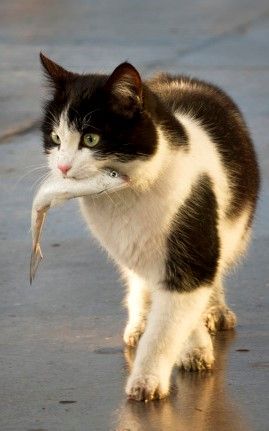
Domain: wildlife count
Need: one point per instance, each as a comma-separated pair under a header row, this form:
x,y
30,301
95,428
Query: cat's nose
x,y
64,168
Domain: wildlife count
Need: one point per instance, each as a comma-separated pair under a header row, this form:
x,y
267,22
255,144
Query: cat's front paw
x,y
132,333
146,388
218,318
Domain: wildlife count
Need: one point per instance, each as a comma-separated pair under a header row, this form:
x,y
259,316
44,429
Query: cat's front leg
x,y
137,301
172,318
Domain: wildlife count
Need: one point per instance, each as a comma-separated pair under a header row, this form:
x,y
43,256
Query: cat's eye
x,y
55,138
91,139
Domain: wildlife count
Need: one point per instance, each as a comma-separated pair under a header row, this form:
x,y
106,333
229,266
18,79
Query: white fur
x,y
197,352
81,161
169,326
137,301
133,224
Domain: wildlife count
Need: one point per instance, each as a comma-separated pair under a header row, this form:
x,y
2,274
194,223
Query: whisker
x,y
87,118
31,172
34,165
93,200
134,191
37,182
52,116
108,195
40,181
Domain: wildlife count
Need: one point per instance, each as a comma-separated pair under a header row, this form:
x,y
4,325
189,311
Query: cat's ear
x,y
124,87
56,75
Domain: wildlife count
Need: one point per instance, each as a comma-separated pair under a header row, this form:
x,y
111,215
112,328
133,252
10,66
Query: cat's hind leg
x,y
218,316
197,353
137,301
235,237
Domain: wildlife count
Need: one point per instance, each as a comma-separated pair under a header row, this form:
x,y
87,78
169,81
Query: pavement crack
x,y
238,29
19,129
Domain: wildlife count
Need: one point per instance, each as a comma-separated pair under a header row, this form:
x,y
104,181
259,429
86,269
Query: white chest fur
x,y
130,226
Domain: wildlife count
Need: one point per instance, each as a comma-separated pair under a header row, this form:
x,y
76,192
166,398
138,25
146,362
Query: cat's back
x,y
217,114
191,95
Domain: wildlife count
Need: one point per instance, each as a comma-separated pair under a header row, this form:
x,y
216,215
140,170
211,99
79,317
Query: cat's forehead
x,y
77,102
74,116
82,112
68,132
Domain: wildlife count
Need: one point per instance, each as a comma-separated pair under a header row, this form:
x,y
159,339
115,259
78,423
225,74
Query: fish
x,y
55,191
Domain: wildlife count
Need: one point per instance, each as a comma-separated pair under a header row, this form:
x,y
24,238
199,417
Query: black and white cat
x,y
186,215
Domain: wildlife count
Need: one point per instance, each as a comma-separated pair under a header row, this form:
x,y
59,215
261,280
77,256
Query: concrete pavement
x,y
62,364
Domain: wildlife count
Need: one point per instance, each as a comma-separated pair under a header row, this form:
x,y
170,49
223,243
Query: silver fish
x,y
55,191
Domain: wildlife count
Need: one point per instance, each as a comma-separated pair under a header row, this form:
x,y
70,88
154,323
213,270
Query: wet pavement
x,y
62,364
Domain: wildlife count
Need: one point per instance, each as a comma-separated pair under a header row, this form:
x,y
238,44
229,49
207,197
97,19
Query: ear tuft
x,y
125,90
55,73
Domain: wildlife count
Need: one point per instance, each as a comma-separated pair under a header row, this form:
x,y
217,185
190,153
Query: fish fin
x,y
36,258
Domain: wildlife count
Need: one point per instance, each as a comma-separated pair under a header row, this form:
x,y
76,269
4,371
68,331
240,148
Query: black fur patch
x,y
89,109
122,137
174,131
125,120
193,244
222,120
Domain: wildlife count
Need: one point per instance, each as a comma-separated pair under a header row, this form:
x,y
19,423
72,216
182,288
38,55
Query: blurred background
x,y
61,360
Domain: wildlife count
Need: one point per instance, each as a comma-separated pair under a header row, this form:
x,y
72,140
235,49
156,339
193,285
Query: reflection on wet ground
x,y
198,402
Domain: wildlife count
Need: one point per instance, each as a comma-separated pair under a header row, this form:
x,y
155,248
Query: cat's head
x,y
97,121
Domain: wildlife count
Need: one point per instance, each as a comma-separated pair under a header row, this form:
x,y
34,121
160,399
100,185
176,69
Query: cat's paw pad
x,y
220,319
199,359
132,334
145,388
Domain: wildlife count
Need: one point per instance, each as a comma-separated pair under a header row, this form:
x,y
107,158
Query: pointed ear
x,y
124,87
56,75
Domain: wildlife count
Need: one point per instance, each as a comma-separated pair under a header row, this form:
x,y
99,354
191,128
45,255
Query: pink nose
x,y
64,168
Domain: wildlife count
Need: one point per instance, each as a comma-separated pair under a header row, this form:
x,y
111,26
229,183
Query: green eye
x,y
91,139
55,138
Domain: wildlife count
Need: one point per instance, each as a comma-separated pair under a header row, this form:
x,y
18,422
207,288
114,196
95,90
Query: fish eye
x,y
91,139
114,174
55,138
